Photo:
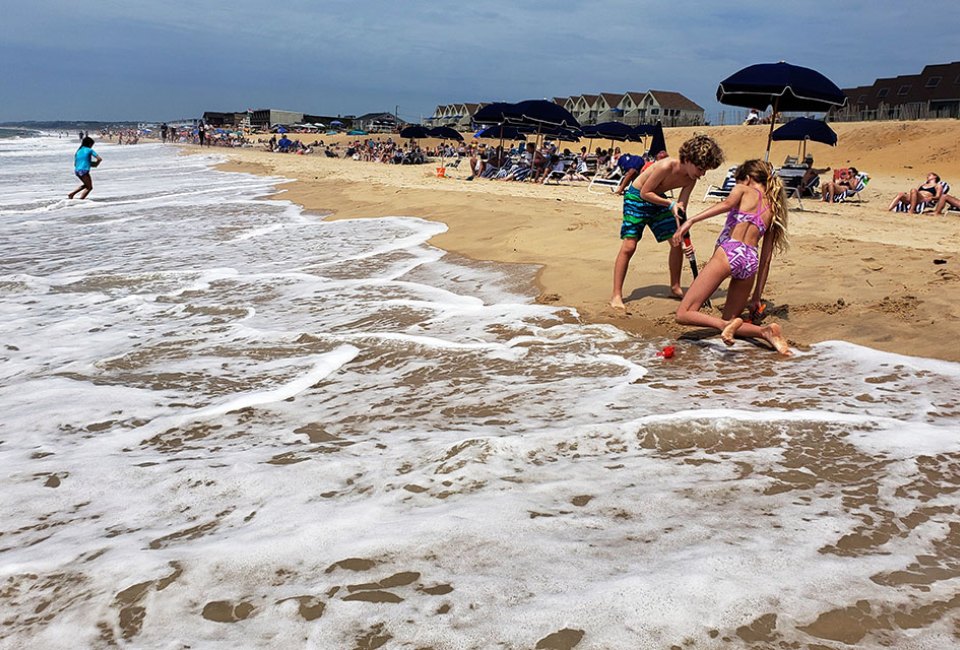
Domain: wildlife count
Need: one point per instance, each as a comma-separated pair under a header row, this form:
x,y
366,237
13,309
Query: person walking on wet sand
x,y
756,209
645,204
85,159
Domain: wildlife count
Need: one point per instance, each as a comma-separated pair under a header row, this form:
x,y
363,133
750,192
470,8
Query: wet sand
x,y
855,272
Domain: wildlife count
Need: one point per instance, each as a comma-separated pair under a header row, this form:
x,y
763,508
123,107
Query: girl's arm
x,y
732,201
766,254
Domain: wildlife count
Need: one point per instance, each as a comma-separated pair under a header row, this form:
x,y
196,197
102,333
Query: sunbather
x,y
944,200
846,182
930,190
812,172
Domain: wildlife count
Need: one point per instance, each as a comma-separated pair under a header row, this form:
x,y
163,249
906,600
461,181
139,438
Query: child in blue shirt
x,y
85,159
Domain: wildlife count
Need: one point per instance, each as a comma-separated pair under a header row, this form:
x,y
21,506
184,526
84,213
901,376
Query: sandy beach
x,y
854,272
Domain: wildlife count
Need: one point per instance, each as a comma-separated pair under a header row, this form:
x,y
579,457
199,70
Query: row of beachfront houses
x,y
664,106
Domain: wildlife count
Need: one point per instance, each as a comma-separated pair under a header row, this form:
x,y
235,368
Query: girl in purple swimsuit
x,y
756,209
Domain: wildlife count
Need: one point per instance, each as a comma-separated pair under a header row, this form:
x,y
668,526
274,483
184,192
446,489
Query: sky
x,y
151,61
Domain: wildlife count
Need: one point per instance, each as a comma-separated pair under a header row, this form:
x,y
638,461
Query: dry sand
x,y
855,272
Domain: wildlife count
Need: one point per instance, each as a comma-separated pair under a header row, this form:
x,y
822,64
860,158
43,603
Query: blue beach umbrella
x,y
609,131
803,129
414,131
782,86
445,133
501,132
658,143
336,123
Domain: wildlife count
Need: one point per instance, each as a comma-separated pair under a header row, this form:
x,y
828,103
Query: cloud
x,y
343,56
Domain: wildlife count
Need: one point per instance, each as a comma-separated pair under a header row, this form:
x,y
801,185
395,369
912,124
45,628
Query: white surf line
x,y
323,366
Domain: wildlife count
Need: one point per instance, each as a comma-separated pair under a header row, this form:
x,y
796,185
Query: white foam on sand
x,y
230,424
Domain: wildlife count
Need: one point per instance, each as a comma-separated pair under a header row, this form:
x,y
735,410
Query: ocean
x,y
228,422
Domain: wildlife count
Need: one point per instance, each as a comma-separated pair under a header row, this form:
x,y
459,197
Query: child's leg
x,y
688,313
88,185
737,294
627,248
85,187
675,263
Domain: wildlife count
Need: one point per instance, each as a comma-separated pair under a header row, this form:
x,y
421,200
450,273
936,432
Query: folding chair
x,y
723,190
608,184
905,207
862,180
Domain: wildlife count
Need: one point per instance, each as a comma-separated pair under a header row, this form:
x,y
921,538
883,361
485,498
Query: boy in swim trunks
x,y
645,205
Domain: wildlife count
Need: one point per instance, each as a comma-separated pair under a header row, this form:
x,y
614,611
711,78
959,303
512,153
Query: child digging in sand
x,y
645,204
756,209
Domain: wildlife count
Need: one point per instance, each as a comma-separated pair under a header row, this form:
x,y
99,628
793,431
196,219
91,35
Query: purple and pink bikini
x,y
743,258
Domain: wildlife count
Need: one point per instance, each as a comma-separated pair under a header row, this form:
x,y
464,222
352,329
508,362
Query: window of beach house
x,y
904,89
654,111
933,82
883,92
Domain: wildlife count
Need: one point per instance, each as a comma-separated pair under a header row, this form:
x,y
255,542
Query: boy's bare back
x,y
663,176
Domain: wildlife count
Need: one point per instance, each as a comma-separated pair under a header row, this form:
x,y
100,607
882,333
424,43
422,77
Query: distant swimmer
x,y
84,160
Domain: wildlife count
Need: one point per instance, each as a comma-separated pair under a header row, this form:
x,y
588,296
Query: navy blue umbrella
x,y
783,86
532,112
658,143
609,131
542,111
415,131
501,132
494,113
446,133
804,128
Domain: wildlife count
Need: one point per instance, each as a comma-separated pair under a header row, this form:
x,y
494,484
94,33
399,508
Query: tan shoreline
x,y
855,272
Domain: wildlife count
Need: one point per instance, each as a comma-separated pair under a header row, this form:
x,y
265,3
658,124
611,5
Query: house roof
x,y
637,97
670,99
923,87
612,99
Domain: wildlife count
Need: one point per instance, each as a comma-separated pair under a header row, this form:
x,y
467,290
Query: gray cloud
x,y
134,59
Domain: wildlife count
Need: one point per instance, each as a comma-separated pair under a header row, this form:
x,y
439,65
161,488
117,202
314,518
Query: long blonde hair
x,y
762,172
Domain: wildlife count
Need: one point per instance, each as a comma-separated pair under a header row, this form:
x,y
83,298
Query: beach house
x,y
934,93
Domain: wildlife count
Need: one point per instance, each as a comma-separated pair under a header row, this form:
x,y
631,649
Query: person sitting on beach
x,y
808,175
284,144
756,209
83,161
521,169
645,204
846,182
930,190
944,200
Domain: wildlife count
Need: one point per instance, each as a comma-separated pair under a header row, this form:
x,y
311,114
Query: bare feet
x,y
774,336
617,303
676,291
730,331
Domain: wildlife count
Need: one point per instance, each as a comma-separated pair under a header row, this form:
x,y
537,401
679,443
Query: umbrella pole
x,y
773,121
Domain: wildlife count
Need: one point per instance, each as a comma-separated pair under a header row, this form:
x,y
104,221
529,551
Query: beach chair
x,y
557,174
605,185
723,190
862,180
927,205
791,161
